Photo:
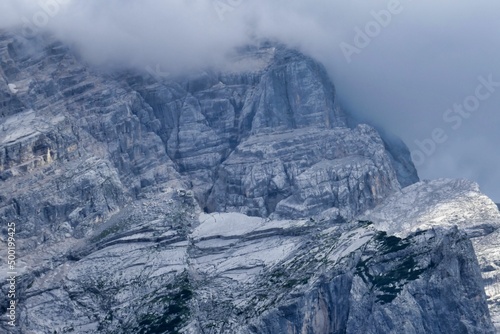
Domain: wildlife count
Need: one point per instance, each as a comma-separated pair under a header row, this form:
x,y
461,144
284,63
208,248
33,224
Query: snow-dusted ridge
x,y
444,203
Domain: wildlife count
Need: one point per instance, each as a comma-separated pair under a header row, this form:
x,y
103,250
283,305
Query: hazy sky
x,y
429,71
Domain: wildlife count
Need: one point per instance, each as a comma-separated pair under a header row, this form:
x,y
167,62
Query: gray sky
x,y
410,66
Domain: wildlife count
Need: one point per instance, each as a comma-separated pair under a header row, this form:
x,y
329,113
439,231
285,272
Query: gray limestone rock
x,y
218,202
448,203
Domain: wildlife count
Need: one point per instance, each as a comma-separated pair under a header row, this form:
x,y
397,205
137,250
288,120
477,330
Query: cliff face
x,y
240,274
221,202
269,139
257,139
447,203
378,288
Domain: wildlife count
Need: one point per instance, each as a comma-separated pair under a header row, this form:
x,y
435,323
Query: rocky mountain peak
x,y
227,201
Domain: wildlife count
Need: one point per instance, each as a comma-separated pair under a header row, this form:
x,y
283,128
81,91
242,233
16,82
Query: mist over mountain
x,y
234,166
421,61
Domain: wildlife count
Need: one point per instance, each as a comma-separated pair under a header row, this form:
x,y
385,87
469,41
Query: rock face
x,y
240,274
304,172
260,140
220,202
391,271
401,159
445,202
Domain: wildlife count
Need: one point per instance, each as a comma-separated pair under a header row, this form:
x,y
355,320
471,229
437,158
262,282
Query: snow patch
x,y
237,224
13,88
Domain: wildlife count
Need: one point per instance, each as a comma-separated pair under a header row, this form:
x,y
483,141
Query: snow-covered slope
x,y
442,202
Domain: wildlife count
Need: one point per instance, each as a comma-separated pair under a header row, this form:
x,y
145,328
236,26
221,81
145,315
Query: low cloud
x,y
402,71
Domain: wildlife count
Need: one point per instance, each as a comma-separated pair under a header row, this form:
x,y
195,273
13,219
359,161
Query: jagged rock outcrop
x,y
447,203
301,173
378,292
201,128
400,158
115,182
282,120
230,273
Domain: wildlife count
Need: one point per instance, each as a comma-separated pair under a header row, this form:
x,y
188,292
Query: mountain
x,y
234,200
445,203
